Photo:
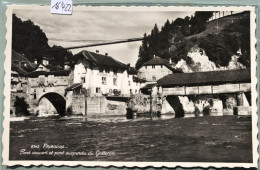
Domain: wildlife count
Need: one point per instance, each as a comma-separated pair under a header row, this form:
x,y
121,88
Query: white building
x,y
156,69
103,75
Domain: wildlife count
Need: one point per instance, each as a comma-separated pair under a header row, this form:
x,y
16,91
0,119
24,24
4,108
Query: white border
x,y
7,67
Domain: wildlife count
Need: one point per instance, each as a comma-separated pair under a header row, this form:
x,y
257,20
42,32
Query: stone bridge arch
x,y
55,99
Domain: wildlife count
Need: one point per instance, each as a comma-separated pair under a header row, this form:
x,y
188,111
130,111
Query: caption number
x,y
62,5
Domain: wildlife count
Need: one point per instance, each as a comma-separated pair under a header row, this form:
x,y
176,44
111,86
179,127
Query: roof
x,y
139,80
50,67
99,59
206,78
132,70
73,86
20,58
55,73
18,69
149,86
160,61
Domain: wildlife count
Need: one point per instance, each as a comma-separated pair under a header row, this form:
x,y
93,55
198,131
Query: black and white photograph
x,y
131,86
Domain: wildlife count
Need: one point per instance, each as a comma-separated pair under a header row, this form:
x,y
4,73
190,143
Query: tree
x,y
240,38
143,55
154,43
216,49
30,40
165,36
21,107
199,21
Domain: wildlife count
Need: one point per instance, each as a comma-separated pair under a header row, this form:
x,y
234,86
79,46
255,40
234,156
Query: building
x,y
155,69
101,75
20,68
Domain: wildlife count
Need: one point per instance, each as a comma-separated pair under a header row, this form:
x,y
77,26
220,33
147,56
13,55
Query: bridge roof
x,y
205,78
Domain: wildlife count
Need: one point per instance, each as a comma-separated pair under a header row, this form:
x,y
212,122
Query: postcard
x,y
130,86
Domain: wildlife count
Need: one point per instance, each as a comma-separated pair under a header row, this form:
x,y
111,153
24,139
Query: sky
x,y
88,27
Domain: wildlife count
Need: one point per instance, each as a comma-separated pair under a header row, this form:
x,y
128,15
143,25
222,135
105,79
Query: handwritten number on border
x,y
61,6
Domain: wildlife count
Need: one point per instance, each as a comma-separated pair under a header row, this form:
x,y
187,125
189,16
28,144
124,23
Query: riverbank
x,y
198,139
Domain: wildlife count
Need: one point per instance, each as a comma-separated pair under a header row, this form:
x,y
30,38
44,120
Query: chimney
x,y
170,61
66,66
97,51
35,61
154,56
45,61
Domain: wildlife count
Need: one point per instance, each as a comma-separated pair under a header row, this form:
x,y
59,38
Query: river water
x,y
224,138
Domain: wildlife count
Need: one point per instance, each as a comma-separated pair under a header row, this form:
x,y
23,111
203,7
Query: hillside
x,y
216,26
29,40
220,39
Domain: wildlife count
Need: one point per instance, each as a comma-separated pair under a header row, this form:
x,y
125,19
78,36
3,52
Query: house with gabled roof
x,y
155,69
103,75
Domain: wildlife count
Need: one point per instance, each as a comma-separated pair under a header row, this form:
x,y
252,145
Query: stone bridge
x,y
46,92
48,100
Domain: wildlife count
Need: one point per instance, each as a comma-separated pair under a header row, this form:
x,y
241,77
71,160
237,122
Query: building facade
x,y
155,69
103,75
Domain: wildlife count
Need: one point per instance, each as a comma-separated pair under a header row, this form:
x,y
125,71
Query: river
x,y
224,138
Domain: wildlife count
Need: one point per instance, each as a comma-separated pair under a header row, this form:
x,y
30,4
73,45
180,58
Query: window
x,y
129,83
153,67
115,72
115,81
101,69
98,90
107,70
104,80
34,96
154,78
83,80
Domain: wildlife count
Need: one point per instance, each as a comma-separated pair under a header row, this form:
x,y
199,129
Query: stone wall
x,y
141,103
115,108
79,105
95,106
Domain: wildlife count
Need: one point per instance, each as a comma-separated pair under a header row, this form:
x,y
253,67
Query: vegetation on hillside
x,y
177,38
30,40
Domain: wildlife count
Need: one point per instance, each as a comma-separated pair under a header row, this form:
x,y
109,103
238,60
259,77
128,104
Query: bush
x,y
206,111
69,110
21,107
